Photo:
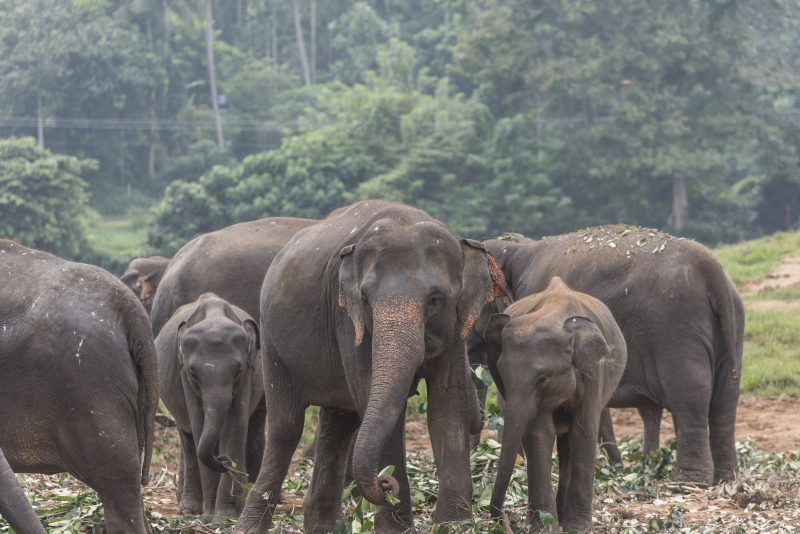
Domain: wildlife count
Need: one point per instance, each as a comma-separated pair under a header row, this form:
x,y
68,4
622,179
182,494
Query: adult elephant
x,y
230,263
355,310
143,276
78,379
682,319
14,506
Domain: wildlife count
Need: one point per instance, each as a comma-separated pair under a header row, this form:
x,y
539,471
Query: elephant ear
x,y
589,345
481,281
253,342
349,294
179,342
130,277
493,339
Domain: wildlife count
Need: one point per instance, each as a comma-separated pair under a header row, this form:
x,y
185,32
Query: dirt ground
x,y
787,274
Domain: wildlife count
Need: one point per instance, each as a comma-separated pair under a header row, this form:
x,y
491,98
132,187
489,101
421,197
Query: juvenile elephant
x,y
230,263
682,319
355,310
556,357
211,382
78,378
143,276
14,506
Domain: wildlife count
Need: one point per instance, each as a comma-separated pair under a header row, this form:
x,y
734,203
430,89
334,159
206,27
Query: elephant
x,y
230,263
143,276
556,357
14,506
78,379
212,384
355,310
682,319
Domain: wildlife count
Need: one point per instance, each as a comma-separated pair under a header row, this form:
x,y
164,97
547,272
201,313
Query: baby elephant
x,y
211,382
556,357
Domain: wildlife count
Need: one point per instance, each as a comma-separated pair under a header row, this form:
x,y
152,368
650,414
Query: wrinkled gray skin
x,y
14,506
355,311
211,382
78,379
230,263
683,323
143,276
557,357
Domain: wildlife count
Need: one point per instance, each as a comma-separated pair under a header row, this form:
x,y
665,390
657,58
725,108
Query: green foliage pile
x,y
770,475
43,200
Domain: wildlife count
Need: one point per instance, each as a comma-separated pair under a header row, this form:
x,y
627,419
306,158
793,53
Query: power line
x,y
147,124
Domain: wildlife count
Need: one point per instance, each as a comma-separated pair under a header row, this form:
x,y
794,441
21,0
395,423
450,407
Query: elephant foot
x,y
256,517
724,475
698,477
190,506
226,512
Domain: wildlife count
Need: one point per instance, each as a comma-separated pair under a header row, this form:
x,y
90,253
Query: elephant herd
x,y
254,323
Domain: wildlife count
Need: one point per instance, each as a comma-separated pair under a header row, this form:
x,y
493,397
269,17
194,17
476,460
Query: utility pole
x,y
212,75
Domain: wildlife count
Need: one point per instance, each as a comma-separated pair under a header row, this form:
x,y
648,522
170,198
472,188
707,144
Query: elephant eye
x,y
541,380
191,372
239,371
435,299
364,298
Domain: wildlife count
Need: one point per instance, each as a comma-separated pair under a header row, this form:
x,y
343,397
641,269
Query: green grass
x,y
120,237
754,259
771,363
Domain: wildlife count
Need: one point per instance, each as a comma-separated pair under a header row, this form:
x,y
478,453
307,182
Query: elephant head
x,y
539,361
411,291
216,351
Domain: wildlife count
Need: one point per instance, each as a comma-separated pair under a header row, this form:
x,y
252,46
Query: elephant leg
x,y
694,462
190,487
448,425
722,427
607,439
582,451
286,414
116,474
564,472
397,517
539,438
323,501
256,441
652,428
210,480
14,507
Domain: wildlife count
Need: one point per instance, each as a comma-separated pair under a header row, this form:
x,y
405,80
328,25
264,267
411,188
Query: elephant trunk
x,y
215,408
516,423
398,349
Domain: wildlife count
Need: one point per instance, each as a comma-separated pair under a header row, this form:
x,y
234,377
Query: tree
x,y
43,200
660,92
212,74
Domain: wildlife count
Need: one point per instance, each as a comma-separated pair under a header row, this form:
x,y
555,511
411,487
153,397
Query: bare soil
x,y
787,274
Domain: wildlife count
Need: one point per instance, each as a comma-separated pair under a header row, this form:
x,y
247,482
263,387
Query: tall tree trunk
x,y
298,30
267,37
212,74
677,218
314,41
237,38
40,121
151,138
274,17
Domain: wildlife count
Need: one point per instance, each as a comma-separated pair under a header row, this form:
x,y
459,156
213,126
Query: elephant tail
x,y
143,351
727,306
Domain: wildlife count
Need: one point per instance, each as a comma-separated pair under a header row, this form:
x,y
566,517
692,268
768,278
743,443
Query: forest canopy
x,y
533,116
